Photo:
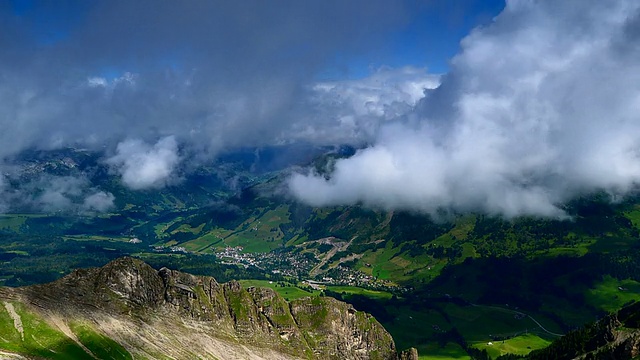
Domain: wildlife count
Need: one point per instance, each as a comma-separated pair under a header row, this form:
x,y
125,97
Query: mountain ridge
x,y
169,314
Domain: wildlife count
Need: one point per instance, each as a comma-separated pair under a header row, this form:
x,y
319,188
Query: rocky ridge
x,y
165,313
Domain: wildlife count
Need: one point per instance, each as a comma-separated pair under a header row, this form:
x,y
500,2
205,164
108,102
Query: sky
x,y
503,108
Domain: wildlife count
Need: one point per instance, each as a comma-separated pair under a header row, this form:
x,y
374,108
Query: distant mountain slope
x,y
614,337
236,219
128,310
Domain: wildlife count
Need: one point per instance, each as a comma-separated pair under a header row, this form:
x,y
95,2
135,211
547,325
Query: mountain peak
x,y
159,313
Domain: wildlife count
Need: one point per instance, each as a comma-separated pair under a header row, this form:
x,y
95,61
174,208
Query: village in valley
x,y
300,266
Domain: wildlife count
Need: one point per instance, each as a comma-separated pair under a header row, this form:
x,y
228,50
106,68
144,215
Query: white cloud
x,y
352,111
99,81
99,201
374,94
58,192
539,106
143,166
96,81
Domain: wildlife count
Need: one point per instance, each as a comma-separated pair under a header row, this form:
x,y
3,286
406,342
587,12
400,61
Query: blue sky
x,y
430,38
434,37
49,21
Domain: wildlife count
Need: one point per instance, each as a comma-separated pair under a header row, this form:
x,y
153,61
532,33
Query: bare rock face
x,y
629,348
275,315
335,330
410,354
132,280
197,297
181,315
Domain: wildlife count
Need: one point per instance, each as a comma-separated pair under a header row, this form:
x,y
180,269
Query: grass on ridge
x,y
353,290
40,339
289,291
101,346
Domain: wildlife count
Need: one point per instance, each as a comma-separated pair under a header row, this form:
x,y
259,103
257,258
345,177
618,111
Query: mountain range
x,y
446,285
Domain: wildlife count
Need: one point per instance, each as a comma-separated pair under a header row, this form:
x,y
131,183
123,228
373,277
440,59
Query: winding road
x,y
519,313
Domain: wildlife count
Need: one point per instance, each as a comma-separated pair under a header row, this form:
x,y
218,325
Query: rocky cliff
x,y
136,311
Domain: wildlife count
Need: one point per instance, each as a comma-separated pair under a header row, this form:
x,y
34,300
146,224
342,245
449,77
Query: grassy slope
x,y
99,345
519,345
40,339
353,290
450,351
289,291
611,294
260,232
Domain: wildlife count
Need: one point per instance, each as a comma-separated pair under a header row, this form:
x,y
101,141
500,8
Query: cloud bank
x,y
211,75
352,111
49,193
539,106
214,74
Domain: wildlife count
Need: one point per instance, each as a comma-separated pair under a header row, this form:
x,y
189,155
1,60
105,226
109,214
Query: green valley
x,y
447,286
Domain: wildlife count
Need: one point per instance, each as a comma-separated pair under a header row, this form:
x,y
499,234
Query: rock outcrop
x,y
167,313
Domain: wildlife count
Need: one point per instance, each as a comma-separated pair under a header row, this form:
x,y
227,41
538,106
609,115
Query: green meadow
x,y
288,291
519,345
611,294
